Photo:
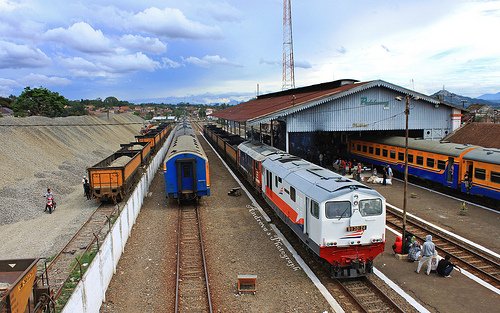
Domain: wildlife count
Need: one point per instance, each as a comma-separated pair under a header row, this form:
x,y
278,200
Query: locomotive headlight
x,y
356,203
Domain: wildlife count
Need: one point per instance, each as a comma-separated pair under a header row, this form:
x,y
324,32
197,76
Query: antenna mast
x,y
288,79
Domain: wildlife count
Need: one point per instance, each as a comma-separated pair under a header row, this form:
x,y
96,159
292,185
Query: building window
x,y
370,150
479,173
377,151
392,154
384,152
292,193
420,160
430,162
314,209
495,177
442,164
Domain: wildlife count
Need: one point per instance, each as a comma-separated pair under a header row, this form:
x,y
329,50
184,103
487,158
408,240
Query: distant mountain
x,y
459,100
493,97
206,98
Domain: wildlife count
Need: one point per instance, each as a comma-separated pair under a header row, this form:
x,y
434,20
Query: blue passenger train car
x,y
186,168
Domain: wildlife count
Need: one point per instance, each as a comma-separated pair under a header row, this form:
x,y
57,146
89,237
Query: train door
x,y
186,176
306,217
449,170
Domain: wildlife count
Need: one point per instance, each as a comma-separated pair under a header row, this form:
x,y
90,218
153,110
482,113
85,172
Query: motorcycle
x,y
50,205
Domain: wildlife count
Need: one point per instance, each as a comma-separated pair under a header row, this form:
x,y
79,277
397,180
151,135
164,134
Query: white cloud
x,y
137,42
19,56
172,23
222,11
8,6
109,65
209,60
42,80
168,63
80,36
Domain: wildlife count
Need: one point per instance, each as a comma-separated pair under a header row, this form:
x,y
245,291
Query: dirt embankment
x,y
39,152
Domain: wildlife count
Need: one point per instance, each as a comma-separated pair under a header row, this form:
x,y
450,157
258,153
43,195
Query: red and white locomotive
x,y
341,220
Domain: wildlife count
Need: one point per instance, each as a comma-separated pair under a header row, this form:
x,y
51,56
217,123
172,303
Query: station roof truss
x,y
280,104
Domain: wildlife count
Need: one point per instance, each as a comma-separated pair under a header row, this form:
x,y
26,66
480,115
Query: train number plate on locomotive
x,y
356,228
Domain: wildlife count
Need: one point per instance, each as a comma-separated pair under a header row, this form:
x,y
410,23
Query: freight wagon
x,y
113,177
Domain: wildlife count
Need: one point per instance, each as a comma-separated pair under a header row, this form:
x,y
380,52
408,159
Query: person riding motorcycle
x,y
50,198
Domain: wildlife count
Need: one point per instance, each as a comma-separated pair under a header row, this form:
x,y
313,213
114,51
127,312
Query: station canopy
x,y
273,105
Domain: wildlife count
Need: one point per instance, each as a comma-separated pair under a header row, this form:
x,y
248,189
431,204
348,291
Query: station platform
x,y
438,294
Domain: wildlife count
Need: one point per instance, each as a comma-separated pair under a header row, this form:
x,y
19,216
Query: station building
x,y
322,118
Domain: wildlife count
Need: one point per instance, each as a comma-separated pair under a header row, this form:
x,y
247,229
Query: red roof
x,y
481,134
267,104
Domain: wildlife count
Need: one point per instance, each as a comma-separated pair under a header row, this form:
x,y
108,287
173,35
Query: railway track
x,y
192,292
368,296
467,257
85,239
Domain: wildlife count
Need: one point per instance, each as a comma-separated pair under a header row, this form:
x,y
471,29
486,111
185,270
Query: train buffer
x,y
236,191
247,283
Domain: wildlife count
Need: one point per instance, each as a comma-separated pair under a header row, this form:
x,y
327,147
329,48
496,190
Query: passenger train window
x,y
370,207
276,181
392,154
338,209
370,150
186,170
365,148
292,193
314,209
410,158
384,152
420,160
441,164
495,177
358,147
430,162
401,156
377,151
479,173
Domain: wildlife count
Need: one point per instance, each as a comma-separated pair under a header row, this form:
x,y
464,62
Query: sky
x,y
215,50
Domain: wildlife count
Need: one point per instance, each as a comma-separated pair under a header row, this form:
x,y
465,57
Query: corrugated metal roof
x,y
266,105
481,134
270,106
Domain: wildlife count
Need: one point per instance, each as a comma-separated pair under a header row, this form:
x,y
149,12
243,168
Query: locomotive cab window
x,y
480,173
338,209
314,209
292,193
370,207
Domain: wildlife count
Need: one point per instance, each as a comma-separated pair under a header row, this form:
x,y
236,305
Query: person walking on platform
x,y
445,267
384,176
428,251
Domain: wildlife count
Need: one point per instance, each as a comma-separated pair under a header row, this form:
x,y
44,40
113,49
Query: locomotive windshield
x,y
338,209
370,207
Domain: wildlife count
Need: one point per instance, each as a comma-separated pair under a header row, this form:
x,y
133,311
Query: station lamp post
x,y
405,199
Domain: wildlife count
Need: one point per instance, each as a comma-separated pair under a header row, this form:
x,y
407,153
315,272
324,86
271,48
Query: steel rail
x,y
480,264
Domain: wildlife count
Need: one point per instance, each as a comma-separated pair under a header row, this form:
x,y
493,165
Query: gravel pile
x,y
39,152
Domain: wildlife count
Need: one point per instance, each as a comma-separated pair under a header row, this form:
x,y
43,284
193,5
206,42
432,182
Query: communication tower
x,y
288,79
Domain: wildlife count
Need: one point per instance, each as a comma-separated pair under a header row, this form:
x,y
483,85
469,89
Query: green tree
x,y
202,112
39,101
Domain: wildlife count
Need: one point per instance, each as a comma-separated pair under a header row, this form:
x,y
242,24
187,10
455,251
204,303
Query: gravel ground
x,y
41,152
235,243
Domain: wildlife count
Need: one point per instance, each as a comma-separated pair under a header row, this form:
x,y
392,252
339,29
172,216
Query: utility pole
x,y
288,77
407,113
